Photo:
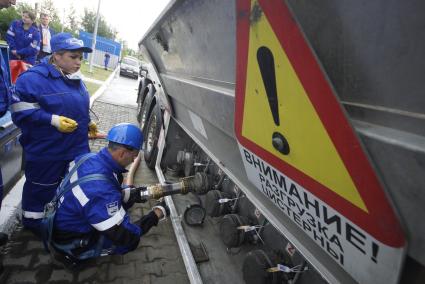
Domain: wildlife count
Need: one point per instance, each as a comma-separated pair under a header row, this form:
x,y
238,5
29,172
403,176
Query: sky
x,y
131,18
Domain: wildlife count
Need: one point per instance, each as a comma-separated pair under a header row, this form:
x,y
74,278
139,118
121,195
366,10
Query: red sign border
x,y
380,222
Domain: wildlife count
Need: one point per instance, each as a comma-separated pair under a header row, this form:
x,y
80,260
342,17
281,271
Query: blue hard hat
x,y
127,134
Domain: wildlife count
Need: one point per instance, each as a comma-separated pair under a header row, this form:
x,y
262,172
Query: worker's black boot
x,y
60,260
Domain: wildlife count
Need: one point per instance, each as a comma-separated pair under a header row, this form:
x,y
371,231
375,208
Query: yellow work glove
x,y
64,124
92,129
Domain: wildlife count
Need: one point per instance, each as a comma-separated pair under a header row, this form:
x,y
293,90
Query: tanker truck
x,y
306,120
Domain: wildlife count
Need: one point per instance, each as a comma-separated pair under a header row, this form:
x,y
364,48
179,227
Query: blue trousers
x,y
42,180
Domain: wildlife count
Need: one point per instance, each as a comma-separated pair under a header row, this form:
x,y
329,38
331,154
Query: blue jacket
x,y
44,91
4,102
96,207
40,28
25,42
4,87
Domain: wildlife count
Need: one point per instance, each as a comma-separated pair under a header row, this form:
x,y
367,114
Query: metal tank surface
x,y
360,64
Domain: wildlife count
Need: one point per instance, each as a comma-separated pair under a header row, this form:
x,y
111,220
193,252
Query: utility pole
x,y
94,38
63,20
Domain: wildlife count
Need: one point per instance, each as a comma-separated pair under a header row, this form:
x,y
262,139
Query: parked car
x,y
129,66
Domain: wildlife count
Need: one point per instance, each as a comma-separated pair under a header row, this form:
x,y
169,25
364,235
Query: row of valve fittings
x,y
215,195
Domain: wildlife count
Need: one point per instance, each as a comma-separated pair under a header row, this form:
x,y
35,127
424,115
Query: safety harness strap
x,y
51,207
61,189
52,211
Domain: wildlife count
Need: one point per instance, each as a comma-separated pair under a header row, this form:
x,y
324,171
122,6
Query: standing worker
x,y
46,34
4,79
4,96
4,104
23,38
106,61
53,114
91,219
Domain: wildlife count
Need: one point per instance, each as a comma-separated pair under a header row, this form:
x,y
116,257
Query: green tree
x,y
124,48
103,29
72,20
6,17
49,7
10,14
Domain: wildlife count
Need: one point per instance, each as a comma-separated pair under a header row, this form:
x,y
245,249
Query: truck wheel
x,y
139,99
142,93
153,128
143,115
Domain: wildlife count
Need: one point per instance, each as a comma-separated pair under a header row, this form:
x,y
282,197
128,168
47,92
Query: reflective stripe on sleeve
x,y
77,191
9,32
21,106
80,195
109,223
33,215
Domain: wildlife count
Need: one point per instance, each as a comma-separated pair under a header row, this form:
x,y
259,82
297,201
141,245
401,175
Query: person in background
x,y
106,62
46,34
23,38
53,115
4,104
91,219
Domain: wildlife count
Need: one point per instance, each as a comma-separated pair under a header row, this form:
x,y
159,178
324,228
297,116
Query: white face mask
x,y
75,76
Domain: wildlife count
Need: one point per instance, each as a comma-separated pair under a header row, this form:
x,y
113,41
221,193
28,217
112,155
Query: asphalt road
x,y
122,91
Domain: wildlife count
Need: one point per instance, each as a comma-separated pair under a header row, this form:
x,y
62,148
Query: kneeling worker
x,y
91,218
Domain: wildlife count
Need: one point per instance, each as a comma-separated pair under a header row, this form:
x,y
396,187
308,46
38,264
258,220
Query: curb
x,y
11,205
11,208
102,88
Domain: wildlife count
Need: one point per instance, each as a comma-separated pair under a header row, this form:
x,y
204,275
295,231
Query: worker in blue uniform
x,y
4,105
91,218
23,38
53,115
4,86
4,101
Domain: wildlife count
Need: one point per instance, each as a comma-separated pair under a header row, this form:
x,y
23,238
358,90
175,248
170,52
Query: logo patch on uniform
x,y
112,208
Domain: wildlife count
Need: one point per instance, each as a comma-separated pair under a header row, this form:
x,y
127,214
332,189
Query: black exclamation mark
x,y
375,250
266,63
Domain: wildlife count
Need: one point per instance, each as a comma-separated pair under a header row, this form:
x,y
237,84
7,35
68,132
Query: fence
x,y
103,45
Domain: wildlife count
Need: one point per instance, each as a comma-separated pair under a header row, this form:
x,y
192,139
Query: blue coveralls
x,y
4,102
25,42
96,208
43,91
106,61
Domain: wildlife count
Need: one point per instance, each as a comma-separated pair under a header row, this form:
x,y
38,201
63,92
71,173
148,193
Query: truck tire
x,y
150,144
144,113
142,92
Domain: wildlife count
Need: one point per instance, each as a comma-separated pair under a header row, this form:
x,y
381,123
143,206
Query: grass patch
x,y
91,87
98,73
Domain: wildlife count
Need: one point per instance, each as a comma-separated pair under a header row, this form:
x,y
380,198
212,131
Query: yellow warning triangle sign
x,y
289,112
